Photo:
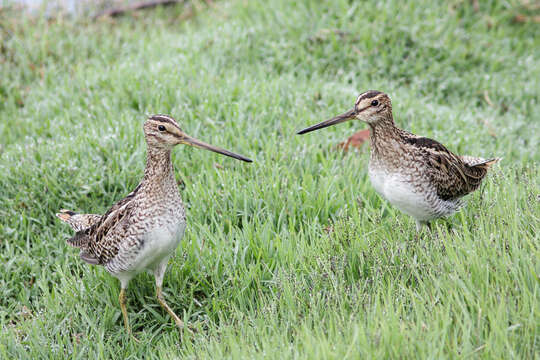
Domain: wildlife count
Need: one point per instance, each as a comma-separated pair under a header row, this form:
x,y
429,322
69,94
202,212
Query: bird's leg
x,y
123,302
164,304
420,225
158,273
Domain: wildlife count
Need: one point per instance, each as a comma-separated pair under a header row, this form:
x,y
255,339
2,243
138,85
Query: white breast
x,y
159,244
165,239
399,191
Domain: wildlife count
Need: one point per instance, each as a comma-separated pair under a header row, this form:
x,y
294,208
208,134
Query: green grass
x,y
295,255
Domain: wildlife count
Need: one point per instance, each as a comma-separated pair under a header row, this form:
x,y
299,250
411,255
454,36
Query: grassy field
x,y
295,255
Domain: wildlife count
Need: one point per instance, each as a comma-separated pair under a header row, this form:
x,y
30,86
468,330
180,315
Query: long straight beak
x,y
333,121
188,140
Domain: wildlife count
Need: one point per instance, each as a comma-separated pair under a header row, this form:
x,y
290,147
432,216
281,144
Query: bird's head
x,y
371,107
162,131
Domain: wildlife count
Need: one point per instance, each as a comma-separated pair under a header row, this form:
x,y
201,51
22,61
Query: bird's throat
x,y
159,169
381,134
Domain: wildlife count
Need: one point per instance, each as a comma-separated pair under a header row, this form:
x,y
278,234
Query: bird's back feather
x,y
453,176
100,241
93,231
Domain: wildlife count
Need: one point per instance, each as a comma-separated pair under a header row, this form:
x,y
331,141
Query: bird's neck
x,y
159,172
383,134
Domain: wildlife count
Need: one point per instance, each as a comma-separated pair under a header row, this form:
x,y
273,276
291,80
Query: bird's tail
x,y
78,222
480,162
489,162
79,240
476,169
65,215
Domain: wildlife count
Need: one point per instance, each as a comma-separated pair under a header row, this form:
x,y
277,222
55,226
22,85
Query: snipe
x,y
418,175
141,231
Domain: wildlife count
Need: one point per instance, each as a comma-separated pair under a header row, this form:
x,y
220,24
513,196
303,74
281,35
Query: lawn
x,y
294,255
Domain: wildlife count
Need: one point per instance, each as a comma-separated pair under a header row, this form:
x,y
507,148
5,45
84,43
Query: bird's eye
x,y
161,128
374,103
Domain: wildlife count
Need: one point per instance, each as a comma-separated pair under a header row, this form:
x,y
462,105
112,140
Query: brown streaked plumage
x,y
418,175
141,231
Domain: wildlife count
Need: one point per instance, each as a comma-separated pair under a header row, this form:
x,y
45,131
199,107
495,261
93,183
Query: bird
x,y
141,231
416,174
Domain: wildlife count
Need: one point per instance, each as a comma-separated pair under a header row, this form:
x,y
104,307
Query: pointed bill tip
x,y
229,154
243,158
202,145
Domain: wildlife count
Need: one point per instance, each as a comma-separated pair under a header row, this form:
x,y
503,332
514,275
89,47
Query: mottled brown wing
x,y
107,239
99,243
452,177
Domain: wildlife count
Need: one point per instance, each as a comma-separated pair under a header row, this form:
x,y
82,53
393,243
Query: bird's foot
x,y
179,323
